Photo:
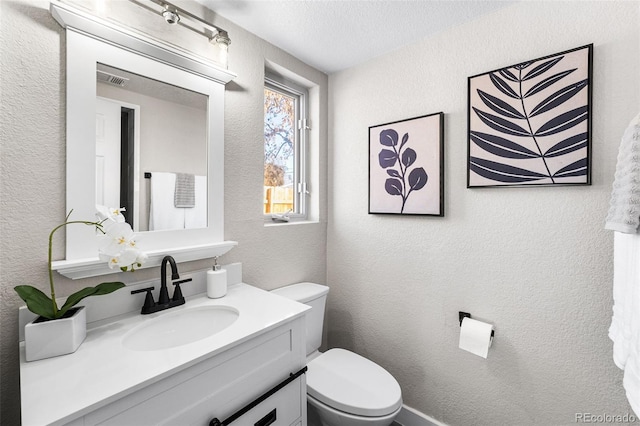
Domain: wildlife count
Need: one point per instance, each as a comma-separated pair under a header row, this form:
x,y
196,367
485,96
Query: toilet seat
x,y
353,384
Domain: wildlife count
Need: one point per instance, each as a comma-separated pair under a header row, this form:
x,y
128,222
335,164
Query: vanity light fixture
x,y
175,15
171,15
221,39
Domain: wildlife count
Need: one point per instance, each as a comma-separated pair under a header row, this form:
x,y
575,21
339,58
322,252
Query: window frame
x,y
301,124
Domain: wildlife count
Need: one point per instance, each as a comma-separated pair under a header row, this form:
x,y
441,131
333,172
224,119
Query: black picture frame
x,y
406,166
529,124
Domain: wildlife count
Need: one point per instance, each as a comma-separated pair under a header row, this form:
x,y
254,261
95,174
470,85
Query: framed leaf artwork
x,y
530,123
406,166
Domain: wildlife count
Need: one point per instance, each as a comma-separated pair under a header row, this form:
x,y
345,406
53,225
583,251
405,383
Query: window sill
x,y
268,223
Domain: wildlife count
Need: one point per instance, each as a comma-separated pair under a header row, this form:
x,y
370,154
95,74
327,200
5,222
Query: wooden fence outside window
x,y
278,199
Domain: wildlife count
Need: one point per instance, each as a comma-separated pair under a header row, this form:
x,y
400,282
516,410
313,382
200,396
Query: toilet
x,y
345,388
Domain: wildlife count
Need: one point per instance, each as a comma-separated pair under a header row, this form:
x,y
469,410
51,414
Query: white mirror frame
x,y
91,40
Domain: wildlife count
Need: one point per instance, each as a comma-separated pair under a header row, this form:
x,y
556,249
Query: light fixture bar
x,y
173,14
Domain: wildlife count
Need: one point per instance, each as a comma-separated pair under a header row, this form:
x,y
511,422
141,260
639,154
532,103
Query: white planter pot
x,y
55,337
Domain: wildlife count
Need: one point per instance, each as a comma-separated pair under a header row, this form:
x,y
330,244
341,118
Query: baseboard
x,y
411,417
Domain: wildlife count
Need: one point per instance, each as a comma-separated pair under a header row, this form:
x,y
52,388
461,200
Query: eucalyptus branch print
x,y
400,155
401,182
531,122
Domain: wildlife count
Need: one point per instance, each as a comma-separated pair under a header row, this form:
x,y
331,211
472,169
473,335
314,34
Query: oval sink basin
x,y
180,328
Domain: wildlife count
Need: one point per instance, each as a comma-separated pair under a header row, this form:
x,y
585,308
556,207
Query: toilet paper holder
x,y
463,315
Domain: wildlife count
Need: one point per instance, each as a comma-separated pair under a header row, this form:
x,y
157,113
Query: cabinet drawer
x,y
284,408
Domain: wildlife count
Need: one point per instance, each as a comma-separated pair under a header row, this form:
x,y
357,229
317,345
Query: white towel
x,y
163,214
624,208
196,217
625,323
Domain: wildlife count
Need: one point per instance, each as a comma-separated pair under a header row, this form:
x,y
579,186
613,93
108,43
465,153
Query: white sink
x,y
180,328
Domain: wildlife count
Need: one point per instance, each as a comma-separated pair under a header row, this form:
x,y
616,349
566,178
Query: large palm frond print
x,y
529,124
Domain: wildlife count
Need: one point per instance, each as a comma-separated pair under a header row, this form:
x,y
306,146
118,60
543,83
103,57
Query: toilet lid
x,y
353,384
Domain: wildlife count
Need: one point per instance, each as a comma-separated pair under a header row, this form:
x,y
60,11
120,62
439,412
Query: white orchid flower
x,y
127,257
117,237
124,259
111,213
142,257
113,262
117,244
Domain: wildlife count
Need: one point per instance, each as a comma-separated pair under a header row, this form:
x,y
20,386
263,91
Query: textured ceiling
x,y
332,35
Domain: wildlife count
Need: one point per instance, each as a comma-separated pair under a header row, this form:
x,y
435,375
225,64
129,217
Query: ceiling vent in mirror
x,y
109,78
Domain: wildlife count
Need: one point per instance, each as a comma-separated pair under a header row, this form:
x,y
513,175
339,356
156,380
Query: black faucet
x,y
164,302
164,293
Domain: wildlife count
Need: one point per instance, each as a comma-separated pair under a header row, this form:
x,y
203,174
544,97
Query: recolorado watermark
x,y
605,418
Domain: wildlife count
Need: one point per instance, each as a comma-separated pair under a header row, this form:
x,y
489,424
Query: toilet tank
x,y
314,295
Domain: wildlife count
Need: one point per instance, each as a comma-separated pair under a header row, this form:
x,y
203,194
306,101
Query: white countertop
x,y
61,389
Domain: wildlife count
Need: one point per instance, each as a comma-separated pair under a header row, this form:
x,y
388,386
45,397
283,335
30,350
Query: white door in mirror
x,y
107,152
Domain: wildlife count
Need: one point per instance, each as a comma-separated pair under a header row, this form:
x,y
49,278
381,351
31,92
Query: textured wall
x,y
534,261
32,182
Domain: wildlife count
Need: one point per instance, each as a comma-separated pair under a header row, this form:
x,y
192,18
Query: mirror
x,y
195,148
151,150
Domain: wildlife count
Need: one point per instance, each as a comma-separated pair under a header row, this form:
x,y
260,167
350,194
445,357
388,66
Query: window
x,y
285,129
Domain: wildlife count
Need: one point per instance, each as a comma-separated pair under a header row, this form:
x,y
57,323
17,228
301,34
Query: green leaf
x,y
100,289
37,302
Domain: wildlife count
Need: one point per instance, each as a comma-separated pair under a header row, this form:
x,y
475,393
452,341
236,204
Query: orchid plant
x,y
117,246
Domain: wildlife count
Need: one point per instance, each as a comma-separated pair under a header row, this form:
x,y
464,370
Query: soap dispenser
x,y
216,281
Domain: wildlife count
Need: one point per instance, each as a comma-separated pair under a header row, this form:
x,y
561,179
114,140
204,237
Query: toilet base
x,y
329,416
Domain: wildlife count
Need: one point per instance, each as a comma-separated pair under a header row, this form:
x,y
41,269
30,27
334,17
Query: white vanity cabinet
x,y
220,386
105,382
